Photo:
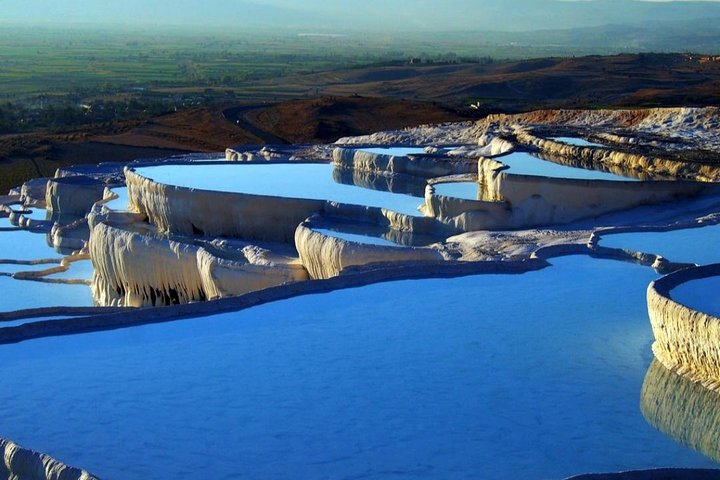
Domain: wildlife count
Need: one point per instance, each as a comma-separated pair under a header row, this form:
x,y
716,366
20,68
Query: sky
x,y
354,14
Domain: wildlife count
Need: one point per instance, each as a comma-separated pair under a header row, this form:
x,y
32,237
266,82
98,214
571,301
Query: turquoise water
x,y
702,295
24,245
395,151
22,294
120,203
14,268
525,164
691,245
577,141
354,237
493,377
302,180
80,270
465,190
37,214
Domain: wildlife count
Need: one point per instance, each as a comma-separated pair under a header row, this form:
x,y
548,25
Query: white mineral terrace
x,y
334,329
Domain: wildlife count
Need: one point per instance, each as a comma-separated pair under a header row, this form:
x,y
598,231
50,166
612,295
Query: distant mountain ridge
x,y
428,15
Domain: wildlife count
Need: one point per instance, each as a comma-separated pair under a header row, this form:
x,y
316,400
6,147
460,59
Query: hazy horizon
x,y
430,15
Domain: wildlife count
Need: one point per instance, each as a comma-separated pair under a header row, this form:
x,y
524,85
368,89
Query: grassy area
x,y
42,64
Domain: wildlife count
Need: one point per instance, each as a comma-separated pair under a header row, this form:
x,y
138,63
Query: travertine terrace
x,y
180,247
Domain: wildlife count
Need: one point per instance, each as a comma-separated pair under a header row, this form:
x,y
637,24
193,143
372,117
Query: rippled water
x,y
494,377
301,180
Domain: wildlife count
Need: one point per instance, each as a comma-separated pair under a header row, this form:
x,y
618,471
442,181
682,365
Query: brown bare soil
x,y
329,118
582,82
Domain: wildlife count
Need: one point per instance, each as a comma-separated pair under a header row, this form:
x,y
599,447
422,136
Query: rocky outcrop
x,y
686,340
682,409
22,464
697,124
325,256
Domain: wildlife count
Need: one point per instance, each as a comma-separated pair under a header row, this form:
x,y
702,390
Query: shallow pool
x,y
577,141
691,245
37,214
494,377
301,180
120,203
702,295
356,237
522,163
79,270
22,294
395,151
25,245
464,190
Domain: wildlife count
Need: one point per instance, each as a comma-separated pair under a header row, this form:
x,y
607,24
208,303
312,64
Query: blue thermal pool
x,y
395,151
25,245
702,295
464,190
355,237
577,141
22,294
537,377
80,270
37,214
301,180
11,268
691,245
522,163
120,203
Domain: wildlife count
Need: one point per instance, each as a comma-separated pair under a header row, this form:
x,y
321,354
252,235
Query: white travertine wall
x,y
73,195
326,257
539,201
419,166
33,192
137,270
467,215
223,278
201,212
19,463
687,341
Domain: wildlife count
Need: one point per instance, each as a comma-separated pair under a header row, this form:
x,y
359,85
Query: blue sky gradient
x,y
351,14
